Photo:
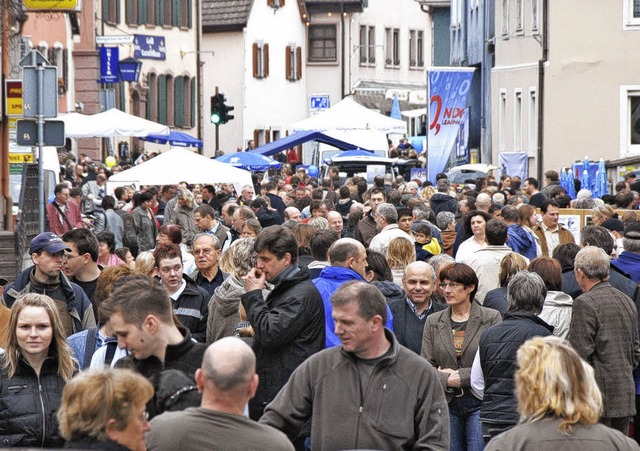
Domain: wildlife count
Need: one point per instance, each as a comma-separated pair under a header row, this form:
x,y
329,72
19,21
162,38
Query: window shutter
x,y
255,60
189,14
287,61
265,59
269,2
281,3
178,103
298,63
128,11
256,137
162,99
105,10
117,12
142,12
267,136
192,122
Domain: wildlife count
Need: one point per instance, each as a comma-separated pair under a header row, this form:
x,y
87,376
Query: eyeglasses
x,y
205,251
452,285
144,416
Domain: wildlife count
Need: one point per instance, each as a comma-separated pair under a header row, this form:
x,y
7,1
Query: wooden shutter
x,y
267,136
298,63
281,3
265,60
287,61
256,137
269,2
255,60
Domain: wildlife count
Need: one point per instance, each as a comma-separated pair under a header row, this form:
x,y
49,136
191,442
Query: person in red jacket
x,y
63,213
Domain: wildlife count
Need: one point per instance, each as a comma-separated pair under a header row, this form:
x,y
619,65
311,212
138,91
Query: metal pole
x,y
40,122
5,193
217,132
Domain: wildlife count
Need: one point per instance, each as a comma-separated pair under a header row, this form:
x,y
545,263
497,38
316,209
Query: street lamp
x,y
129,69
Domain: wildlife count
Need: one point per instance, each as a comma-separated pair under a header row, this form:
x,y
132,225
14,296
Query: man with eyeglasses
x,y
410,314
63,215
208,275
48,254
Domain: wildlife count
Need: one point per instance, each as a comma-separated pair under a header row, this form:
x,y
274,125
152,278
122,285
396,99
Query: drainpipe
x,y
541,80
343,56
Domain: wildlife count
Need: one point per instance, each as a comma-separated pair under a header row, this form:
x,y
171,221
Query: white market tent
x,y
109,124
179,164
350,115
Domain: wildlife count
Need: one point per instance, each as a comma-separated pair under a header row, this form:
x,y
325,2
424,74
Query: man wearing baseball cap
x,y
48,253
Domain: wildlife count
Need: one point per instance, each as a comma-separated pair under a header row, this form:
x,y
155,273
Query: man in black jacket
x,y
189,301
140,313
410,314
289,323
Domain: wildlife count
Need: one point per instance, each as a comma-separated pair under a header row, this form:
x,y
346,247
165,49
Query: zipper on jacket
x,y
44,415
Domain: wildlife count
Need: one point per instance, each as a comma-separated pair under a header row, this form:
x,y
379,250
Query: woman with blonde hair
x,y
509,266
400,253
226,313
35,368
559,402
601,213
105,409
145,264
183,216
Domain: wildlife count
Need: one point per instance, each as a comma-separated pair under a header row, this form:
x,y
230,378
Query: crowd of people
x,y
325,314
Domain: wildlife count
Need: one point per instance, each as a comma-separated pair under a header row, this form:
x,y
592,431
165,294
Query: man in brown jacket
x,y
604,331
550,233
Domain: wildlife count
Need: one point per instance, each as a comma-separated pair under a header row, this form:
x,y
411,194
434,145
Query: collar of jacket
x,y
389,359
177,350
527,316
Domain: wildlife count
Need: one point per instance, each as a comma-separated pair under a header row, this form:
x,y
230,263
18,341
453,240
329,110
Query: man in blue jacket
x,y
348,259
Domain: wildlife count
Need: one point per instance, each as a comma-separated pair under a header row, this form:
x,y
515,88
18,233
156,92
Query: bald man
x,y
227,380
348,260
410,314
335,222
291,214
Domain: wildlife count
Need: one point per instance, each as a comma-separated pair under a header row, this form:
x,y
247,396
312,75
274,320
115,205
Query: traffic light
x,y
217,101
224,110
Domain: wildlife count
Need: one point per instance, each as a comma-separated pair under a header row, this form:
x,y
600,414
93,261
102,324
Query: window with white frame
x,y
367,45
416,49
517,119
260,60
519,16
535,16
629,120
631,14
457,11
392,49
505,18
293,61
502,121
533,122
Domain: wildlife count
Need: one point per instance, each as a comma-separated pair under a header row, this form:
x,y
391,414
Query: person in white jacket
x,y
557,305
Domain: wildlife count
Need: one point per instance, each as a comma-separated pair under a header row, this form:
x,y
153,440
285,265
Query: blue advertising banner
x,y
448,91
149,47
109,57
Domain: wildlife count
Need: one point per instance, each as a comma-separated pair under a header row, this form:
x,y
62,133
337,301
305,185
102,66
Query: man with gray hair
x,y
604,331
386,218
398,403
493,370
410,314
227,380
442,200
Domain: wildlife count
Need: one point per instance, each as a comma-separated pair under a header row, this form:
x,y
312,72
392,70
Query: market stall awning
x,y
298,138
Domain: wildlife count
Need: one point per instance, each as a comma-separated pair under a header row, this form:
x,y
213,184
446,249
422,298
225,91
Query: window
x,y
322,43
57,57
517,120
162,99
457,12
631,14
416,48
629,120
179,102
111,11
131,11
152,97
171,92
293,62
260,60
505,18
533,122
519,16
275,3
502,121
392,49
535,15
367,45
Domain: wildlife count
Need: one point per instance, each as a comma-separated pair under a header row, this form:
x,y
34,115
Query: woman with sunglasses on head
x,y
450,342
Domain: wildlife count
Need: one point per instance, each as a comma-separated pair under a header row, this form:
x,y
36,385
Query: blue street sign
x,y
319,102
109,57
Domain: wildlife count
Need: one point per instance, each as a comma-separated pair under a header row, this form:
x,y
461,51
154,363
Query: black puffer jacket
x,y
289,327
498,347
28,408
